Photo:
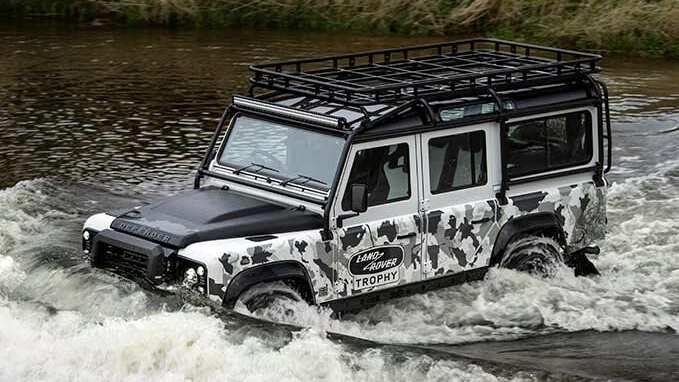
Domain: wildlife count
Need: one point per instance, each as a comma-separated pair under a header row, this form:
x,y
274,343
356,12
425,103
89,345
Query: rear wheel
x,y
274,297
533,254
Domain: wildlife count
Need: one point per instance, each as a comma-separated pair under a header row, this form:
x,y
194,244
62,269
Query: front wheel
x,y
274,296
533,254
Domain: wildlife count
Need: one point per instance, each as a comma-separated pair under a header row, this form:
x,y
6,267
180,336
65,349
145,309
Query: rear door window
x,y
457,161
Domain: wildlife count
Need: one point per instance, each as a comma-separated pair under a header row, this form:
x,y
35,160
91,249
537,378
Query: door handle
x,y
407,235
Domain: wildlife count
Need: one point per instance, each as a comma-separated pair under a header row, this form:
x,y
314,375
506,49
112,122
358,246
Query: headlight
x,y
190,278
192,275
88,237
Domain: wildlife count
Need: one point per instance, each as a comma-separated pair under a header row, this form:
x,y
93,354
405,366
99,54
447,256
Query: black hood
x,y
211,213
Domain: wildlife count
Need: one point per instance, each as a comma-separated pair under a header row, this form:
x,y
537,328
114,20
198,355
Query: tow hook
x,y
581,265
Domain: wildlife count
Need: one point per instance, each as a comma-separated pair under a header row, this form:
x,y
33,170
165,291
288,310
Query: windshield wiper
x,y
306,178
260,167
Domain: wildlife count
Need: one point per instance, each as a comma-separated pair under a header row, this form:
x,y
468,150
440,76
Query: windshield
x,y
282,151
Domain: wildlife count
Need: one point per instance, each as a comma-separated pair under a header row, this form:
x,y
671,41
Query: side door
x,y
460,216
379,248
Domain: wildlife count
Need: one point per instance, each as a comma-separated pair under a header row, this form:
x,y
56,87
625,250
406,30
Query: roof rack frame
x,y
346,78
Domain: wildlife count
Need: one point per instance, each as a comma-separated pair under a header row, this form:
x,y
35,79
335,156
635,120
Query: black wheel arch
x,y
539,223
289,271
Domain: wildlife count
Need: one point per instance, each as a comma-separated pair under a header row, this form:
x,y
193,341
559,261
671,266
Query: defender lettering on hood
x,y
139,230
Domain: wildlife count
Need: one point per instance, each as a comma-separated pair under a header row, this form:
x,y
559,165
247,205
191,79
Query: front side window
x,y
384,170
549,143
457,161
282,151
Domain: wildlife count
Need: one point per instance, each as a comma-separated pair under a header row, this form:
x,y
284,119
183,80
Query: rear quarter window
x,y
549,143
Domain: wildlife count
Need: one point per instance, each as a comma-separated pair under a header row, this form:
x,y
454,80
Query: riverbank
x,y
649,27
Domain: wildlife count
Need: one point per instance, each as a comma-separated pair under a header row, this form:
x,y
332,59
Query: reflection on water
x,y
642,87
132,109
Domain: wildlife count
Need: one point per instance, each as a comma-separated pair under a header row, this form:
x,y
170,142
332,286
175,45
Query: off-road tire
x,y
533,254
265,295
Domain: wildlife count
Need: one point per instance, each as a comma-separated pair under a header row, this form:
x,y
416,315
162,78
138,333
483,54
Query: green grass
x,y
621,26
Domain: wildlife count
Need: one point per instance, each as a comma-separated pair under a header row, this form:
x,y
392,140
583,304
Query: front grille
x,y
122,261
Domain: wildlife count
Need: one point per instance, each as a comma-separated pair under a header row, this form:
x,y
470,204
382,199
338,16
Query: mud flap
x,y
581,265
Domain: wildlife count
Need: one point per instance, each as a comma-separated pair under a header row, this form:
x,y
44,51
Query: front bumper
x,y
128,255
140,260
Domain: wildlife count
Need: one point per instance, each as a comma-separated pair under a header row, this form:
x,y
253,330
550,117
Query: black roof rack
x,y
393,76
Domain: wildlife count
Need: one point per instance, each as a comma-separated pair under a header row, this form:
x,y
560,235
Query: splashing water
x,y
62,321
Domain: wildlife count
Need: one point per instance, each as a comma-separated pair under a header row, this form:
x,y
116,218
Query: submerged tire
x,y
536,255
265,296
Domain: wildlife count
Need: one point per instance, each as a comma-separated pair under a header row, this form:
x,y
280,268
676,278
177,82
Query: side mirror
x,y
359,198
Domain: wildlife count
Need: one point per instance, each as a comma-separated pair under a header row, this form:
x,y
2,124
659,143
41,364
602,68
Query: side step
x,y
581,264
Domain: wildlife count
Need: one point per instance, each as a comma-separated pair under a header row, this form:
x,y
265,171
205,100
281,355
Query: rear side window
x,y
385,171
457,161
550,143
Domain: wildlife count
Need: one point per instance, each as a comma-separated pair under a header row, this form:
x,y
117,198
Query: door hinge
x,y
426,266
424,205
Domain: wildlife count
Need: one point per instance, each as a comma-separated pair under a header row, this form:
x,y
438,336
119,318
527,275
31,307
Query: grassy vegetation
x,y
627,26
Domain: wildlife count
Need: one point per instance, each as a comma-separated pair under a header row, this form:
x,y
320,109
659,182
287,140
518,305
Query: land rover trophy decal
x,y
376,266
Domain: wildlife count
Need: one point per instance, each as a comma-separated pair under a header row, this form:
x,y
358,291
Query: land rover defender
x,y
365,176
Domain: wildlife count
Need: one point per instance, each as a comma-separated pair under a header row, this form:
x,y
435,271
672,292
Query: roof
x,y
352,88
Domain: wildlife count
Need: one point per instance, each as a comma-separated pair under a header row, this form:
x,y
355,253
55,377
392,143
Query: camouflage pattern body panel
x,y
305,247
401,231
581,209
457,239
460,238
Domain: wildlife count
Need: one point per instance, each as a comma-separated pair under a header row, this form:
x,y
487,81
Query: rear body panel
x,y
579,207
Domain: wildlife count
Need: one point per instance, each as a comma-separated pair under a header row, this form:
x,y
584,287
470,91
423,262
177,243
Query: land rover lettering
x,y
376,266
376,260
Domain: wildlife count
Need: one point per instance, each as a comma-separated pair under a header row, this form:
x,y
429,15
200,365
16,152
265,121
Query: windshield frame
x,y
267,179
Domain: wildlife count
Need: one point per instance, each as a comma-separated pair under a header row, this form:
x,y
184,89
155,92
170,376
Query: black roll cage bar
x,y
270,76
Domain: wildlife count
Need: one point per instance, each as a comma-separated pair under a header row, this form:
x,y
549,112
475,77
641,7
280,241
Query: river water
x,y
95,118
